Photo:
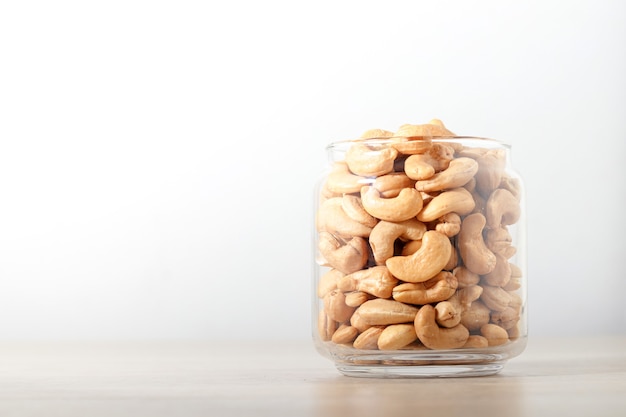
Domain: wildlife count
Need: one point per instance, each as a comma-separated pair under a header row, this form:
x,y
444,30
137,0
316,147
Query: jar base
x,y
420,371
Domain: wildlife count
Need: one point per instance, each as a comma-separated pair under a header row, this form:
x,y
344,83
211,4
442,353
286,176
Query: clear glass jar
x,y
420,259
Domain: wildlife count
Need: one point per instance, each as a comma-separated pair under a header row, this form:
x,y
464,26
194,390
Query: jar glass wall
x,y
420,260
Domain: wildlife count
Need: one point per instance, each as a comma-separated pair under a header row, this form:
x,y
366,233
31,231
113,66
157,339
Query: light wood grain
x,y
573,377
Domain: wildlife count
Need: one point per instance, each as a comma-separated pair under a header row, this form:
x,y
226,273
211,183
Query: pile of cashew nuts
x,y
413,232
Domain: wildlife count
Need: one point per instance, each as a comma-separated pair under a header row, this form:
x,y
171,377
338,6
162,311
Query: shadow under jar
x,y
420,260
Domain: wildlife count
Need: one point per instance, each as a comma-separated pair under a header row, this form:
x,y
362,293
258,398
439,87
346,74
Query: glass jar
x,y
420,260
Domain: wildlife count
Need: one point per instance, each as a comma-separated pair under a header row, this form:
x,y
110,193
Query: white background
x,y
157,158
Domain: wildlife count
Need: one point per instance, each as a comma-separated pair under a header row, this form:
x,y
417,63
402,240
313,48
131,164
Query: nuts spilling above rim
x,y
414,232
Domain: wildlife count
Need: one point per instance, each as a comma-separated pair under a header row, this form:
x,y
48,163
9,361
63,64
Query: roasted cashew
x,y
494,334
366,161
356,298
345,334
336,307
439,288
476,341
465,277
490,170
340,180
376,134
459,172
390,185
376,281
501,274
506,318
332,218
498,240
502,208
475,316
495,298
424,166
406,205
449,224
368,339
348,257
457,200
461,302
381,311
396,336
435,337
326,326
384,235
428,261
476,257
352,206
446,315
328,282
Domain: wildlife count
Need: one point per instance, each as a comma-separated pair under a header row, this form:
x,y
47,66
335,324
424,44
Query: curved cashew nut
x,y
332,218
340,180
495,298
326,326
424,264
336,307
490,170
446,315
476,257
435,337
406,205
439,288
368,339
365,161
502,209
449,224
459,172
391,184
328,282
384,235
345,334
506,318
475,316
376,281
465,277
347,258
376,134
424,166
501,274
353,207
458,200
498,240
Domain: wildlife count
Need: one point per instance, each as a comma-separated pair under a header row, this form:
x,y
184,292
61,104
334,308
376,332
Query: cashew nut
x,y
345,334
435,337
506,318
458,173
490,168
356,298
494,334
328,282
465,277
476,341
476,257
340,180
396,336
439,288
449,224
336,307
475,316
368,339
428,261
495,298
348,257
366,161
332,218
384,235
501,274
325,326
424,166
502,208
498,240
376,281
406,205
376,134
446,315
457,200
391,184
353,208
381,311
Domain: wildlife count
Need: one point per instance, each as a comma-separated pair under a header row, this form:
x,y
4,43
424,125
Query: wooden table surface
x,y
559,377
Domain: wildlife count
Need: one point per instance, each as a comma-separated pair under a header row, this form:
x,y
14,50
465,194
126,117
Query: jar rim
x,y
440,139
